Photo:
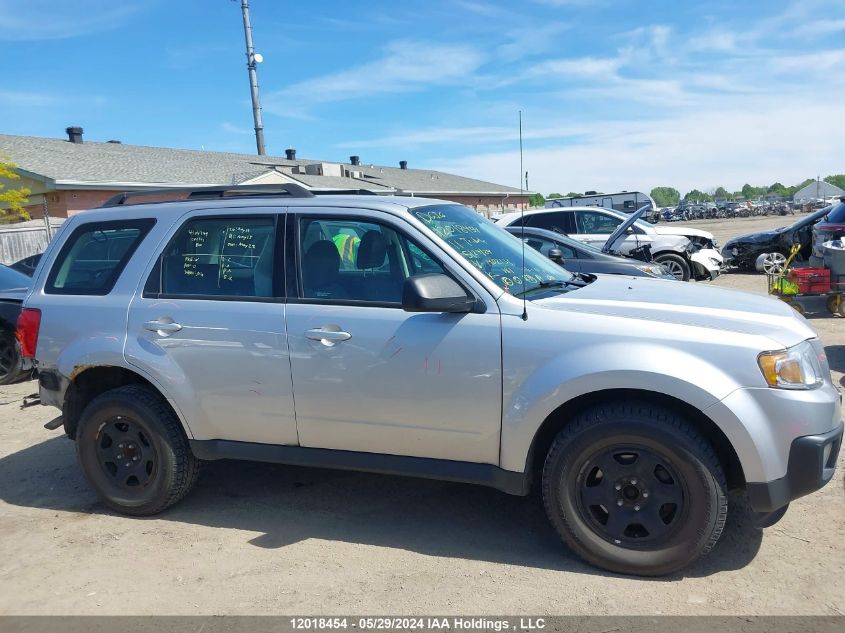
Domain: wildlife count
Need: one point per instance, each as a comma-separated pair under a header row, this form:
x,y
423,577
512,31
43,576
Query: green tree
x,y
698,196
573,194
11,200
837,180
778,189
722,194
665,196
752,193
552,196
536,200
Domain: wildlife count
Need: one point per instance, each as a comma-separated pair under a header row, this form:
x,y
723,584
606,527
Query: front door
x,y
370,377
210,325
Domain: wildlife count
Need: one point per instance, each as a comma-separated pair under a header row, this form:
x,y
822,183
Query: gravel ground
x,y
264,539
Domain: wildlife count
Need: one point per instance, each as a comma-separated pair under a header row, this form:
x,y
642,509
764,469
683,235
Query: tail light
x,y
29,321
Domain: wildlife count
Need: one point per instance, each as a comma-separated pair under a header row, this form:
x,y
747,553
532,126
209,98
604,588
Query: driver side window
x,y
347,259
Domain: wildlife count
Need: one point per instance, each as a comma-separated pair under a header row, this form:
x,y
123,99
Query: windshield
x,y
492,250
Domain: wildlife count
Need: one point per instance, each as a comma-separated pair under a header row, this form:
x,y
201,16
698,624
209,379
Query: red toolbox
x,y
811,281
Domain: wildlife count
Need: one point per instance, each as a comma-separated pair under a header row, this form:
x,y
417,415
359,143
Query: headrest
x,y
371,251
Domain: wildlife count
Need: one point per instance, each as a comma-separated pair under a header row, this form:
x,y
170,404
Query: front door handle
x,y
164,328
328,335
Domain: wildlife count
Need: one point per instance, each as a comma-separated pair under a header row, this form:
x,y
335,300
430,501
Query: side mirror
x,y
434,292
630,230
556,255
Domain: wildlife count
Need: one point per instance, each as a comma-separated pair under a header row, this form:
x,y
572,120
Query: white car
x,y
593,225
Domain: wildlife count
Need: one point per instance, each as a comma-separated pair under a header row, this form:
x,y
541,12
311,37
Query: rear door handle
x,y
328,335
164,328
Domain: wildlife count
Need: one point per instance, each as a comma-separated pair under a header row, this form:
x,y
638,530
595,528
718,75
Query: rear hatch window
x,y
94,255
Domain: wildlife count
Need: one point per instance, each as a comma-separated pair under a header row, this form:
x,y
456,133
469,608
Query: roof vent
x,y
74,134
355,160
403,164
290,153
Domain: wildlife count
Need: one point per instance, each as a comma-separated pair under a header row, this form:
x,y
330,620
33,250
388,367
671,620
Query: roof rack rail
x,y
221,191
347,192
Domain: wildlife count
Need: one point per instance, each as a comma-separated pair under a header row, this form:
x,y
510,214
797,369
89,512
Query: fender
x,y
528,402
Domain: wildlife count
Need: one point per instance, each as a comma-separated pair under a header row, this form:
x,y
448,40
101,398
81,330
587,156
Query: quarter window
x,y
225,257
93,257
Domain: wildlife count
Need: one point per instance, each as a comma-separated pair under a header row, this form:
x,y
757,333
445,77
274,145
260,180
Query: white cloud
x,y
26,99
820,28
57,19
815,63
757,141
236,129
405,66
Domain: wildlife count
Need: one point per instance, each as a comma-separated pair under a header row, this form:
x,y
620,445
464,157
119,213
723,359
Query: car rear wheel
x,y
134,452
10,359
675,264
635,489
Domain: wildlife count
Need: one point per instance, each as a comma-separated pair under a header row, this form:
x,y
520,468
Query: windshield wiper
x,y
553,283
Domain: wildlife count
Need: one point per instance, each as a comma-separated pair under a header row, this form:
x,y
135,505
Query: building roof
x,y
117,166
820,189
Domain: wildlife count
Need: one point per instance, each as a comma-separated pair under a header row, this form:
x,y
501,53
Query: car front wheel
x,y
635,489
675,264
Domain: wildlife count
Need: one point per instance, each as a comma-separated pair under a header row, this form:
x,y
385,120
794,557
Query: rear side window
x,y
218,257
556,221
94,255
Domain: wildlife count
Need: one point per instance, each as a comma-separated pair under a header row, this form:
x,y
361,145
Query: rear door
x,y
209,323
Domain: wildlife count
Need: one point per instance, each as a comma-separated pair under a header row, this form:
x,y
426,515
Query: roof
x,y
820,189
119,166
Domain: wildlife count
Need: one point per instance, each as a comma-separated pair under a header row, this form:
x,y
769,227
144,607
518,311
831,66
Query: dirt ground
x,y
264,539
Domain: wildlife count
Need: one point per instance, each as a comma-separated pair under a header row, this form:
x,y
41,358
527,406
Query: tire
x,y
672,464
135,424
10,359
675,264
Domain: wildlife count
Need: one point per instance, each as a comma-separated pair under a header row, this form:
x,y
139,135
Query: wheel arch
x,y
567,411
87,382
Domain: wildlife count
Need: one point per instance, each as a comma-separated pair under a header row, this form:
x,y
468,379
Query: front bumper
x,y
812,462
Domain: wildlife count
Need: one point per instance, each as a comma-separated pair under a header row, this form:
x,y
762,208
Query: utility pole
x,y
252,60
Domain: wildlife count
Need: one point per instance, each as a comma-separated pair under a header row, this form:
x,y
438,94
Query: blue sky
x,y
615,94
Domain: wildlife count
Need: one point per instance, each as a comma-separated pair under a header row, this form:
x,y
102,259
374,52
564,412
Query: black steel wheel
x,y
125,453
632,495
134,452
633,487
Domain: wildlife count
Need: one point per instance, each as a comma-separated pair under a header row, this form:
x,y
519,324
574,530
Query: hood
x,y
682,230
706,307
622,228
756,238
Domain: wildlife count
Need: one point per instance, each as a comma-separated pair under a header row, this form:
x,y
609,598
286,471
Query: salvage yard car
x,y
685,252
578,257
772,248
229,325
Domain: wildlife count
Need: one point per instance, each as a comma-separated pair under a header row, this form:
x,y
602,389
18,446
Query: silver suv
x,y
414,337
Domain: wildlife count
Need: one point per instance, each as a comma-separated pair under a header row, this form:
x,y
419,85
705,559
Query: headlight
x,y
798,367
653,270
